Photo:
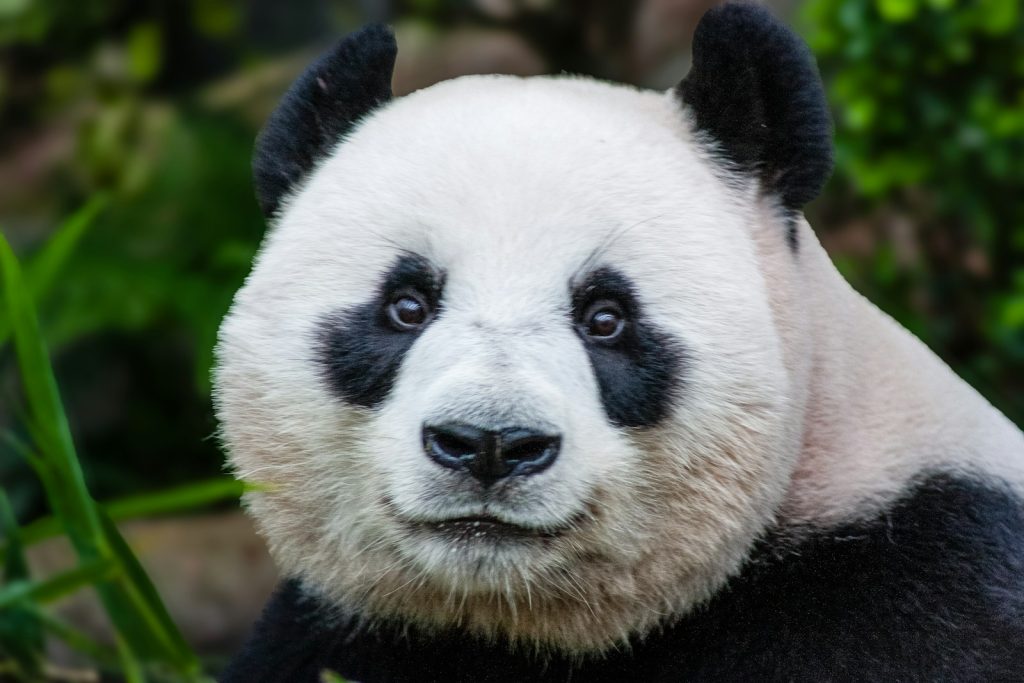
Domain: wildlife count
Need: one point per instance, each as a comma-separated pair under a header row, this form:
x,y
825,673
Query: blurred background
x,y
136,119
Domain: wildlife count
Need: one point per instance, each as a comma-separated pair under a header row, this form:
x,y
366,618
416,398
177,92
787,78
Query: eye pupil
x,y
604,323
407,312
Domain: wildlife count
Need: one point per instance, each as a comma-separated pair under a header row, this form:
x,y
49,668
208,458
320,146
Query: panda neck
x,y
876,407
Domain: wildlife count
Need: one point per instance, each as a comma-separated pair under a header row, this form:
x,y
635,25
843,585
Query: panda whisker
x,y
526,586
510,599
387,571
395,590
370,547
577,592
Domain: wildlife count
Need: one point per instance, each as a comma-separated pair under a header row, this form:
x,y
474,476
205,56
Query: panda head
x,y
508,358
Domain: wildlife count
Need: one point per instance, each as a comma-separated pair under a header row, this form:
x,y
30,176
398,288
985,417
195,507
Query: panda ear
x,y
755,90
331,95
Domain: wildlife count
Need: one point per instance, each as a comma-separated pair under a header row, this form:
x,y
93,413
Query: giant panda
x,y
550,379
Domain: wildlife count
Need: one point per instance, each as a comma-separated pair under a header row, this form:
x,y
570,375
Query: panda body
x,y
548,379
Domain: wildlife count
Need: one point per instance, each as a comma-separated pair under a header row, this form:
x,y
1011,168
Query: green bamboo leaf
x,y
178,499
49,424
12,558
15,564
48,262
21,634
103,655
170,501
57,586
132,625
131,602
42,269
148,605
131,668
38,464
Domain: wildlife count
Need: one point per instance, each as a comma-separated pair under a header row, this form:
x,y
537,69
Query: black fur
x,y
638,374
932,589
326,101
360,350
755,89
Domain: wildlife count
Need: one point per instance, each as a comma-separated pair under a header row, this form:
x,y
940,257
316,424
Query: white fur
x,y
878,407
800,400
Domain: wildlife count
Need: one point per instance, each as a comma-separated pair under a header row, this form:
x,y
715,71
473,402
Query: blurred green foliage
x,y
146,635
929,102
134,314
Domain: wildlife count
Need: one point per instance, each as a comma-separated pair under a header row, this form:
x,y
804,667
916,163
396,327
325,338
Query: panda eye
x,y
408,311
604,321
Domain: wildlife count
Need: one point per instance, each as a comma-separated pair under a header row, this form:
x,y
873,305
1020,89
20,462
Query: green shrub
x,y
929,103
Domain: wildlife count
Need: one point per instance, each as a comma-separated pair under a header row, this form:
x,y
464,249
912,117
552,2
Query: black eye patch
x,y
359,349
639,375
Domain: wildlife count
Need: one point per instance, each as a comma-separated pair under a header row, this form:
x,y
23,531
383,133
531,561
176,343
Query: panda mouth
x,y
485,527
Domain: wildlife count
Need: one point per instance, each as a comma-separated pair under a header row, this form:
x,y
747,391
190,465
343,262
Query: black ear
x,y
755,89
330,96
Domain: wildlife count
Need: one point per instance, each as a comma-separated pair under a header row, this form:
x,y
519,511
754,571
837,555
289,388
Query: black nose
x,y
490,455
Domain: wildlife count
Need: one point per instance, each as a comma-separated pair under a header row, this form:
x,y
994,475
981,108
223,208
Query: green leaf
x,y
43,268
897,10
69,496
216,17
171,501
132,604
178,499
145,51
57,586
21,635
40,386
999,16
1012,314
131,668
147,603
15,565
330,677
99,653
860,113
12,8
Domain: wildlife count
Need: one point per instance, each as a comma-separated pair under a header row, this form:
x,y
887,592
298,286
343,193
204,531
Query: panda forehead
x,y
520,110
540,169
494,147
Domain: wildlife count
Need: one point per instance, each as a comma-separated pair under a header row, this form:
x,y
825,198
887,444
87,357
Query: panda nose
x,y
490,455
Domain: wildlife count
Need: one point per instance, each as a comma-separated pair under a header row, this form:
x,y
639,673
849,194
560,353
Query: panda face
x,y
507,361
